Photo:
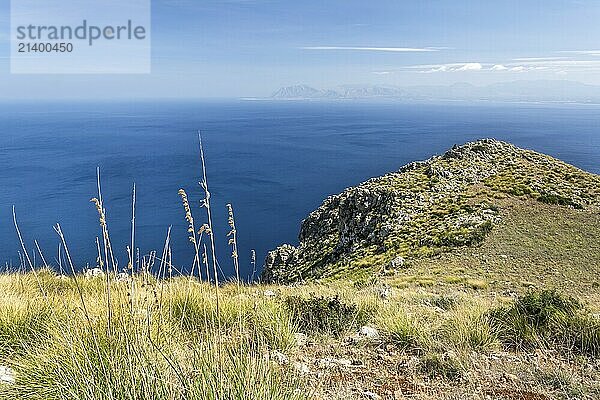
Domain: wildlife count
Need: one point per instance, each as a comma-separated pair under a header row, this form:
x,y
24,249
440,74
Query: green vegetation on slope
x,y
426,209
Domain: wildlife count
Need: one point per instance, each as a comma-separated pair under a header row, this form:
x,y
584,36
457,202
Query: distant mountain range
x,y
516,91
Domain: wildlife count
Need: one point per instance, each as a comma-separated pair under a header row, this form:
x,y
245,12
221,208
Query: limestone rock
x,y
369,332
93,272
279,357
7,375
301,367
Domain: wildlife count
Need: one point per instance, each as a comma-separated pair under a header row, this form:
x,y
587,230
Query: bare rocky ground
x,y
375,370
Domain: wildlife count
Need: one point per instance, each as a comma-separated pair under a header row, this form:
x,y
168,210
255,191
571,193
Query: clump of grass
x,y
443,302
366,281
582,335
547,318
467,329
273,325
444,366
266,322
559,379
405,330
23,326
477,284
327,315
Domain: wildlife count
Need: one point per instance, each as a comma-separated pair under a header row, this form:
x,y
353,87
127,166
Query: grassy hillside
x,y
535,246
170,341
474,275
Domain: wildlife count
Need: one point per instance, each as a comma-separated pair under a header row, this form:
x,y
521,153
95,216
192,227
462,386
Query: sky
x,y
250,48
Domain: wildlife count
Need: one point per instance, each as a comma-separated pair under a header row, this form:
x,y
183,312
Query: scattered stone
x,y
93,272
279,357
371,395
397,263
7,375
329,362
122,276
369,332
269,293
344,362
301,367
385,292
510,377
301,339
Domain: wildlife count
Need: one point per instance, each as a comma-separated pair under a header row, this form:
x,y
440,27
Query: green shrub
x,y
558,200
542,307
329,315
547,318
582,335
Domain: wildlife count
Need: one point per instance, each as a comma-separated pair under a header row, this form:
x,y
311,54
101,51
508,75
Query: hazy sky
x,y
228,48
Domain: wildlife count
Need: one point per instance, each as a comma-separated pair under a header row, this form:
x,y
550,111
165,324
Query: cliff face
x,y
425,208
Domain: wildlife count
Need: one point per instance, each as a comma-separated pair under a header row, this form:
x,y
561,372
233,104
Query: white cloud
x,y
441,68
471,67
382,72
383,49
556,65
584,52
559,65
451,67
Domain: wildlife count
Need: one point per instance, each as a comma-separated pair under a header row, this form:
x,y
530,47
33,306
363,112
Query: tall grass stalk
x,y
26,255
41,254
211,235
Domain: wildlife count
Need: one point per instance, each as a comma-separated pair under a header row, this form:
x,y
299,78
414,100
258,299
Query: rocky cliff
x,y
425,208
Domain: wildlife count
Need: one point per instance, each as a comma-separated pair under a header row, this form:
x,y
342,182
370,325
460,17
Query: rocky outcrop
x,y
424,208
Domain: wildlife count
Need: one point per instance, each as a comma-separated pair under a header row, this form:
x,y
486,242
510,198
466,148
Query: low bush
x,y
329,315
558,200
547,318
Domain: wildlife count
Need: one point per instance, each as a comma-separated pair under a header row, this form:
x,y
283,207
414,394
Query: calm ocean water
x,y
274,161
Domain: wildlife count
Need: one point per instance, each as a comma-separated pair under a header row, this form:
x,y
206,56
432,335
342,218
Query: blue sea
x,y
273,161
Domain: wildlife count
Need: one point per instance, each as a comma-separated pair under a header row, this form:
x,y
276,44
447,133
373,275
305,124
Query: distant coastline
x,y
516,92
